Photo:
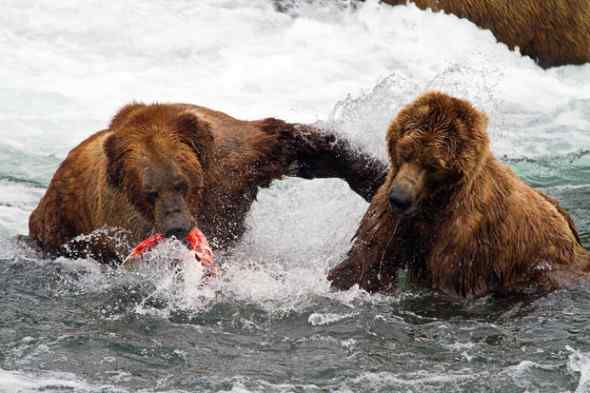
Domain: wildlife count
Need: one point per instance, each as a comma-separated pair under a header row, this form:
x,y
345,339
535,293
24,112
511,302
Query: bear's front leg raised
x,y
323,154
309,152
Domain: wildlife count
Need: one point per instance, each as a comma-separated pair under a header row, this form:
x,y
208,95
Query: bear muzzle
x,y
173,217
177,225
406,188
401,199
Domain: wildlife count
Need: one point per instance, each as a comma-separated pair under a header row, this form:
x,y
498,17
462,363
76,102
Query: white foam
x,y
424,380
349,344
244,57
579,362
50,382
458,346
319,319
16,202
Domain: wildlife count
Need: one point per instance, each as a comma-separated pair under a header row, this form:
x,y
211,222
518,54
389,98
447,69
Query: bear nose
x,y
400,199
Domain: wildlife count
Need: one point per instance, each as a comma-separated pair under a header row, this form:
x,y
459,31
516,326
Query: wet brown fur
x,y
476,227
552,32
224,161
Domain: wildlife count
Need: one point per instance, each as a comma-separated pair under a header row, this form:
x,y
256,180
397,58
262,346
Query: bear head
x,y
436,144
158,157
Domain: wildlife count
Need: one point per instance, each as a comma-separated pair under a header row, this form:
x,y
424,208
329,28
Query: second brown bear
x,y
456,218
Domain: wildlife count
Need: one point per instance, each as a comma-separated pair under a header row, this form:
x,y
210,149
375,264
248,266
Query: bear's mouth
x,y
406,213
195,240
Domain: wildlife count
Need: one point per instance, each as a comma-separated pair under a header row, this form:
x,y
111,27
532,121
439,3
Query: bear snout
x,y
406,188
401,199
173,218
177,225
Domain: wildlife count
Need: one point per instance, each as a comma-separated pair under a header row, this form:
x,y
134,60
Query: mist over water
x,y
271,324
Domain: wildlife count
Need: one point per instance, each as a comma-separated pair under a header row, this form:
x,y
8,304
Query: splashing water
x,y
177,277
580,363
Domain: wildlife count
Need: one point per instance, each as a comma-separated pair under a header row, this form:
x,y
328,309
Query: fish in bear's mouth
x,y
196,242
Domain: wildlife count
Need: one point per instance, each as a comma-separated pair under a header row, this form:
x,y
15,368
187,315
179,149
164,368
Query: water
x,y
272,324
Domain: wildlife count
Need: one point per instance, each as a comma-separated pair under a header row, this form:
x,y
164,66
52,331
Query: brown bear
x,y
167,168
552,33
456,218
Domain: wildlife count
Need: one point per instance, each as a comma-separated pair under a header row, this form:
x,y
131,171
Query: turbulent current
x,y
272,324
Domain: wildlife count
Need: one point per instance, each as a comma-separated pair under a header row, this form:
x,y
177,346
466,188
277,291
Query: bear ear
x,y
115,166
124,114
474,119
197,134
470,115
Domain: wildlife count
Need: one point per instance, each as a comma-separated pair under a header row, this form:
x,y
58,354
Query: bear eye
x,y
433,166
151,196
181,187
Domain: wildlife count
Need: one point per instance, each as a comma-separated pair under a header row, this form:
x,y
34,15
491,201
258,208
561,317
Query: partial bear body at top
x,y
167,168
553,33
456,218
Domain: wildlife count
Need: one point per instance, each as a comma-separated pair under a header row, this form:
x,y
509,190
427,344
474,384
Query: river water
x,y
272,324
